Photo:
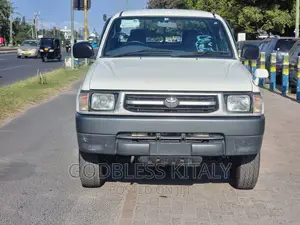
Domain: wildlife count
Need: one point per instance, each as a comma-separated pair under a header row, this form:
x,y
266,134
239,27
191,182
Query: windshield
x,y
29,43
47,42
284,45
168,37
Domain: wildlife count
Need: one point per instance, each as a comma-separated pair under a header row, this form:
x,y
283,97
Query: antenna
x,y
214,13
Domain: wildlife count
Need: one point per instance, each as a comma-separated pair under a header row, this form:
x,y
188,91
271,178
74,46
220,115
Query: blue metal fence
x,y
288,72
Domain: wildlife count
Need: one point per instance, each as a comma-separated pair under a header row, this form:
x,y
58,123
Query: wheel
x,y
90,172
245,171
293,90
19,56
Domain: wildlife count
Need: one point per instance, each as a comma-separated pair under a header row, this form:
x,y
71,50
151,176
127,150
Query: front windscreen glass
x,y
47,42
29,43
167,37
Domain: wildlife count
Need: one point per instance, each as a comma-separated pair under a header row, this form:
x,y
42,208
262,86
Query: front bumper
x,y
27,54
227,136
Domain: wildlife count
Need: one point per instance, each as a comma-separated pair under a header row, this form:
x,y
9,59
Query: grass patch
x,y
17,97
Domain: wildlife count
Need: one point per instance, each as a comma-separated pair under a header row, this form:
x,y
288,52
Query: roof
x,y
167,12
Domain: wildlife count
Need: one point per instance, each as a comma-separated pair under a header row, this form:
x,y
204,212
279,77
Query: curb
x,y
9,51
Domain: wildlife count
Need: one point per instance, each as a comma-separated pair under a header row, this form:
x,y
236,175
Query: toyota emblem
x,y
171,102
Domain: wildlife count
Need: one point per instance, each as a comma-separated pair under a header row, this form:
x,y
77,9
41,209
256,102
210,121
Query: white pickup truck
x,y
167,86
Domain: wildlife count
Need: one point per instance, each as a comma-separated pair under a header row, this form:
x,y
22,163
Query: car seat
x,y
189,39
137,35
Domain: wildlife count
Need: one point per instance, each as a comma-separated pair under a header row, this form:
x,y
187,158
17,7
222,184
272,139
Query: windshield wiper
x,y
192,54
142,51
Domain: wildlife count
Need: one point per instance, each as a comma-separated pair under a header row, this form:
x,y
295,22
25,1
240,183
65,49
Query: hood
x,y
172,74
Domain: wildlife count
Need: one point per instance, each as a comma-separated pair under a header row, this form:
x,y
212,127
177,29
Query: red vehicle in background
x,y
2,41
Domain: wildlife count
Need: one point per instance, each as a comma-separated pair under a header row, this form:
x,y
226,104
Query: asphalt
x,y
13,69
38,171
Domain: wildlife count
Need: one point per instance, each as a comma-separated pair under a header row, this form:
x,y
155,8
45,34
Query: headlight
x,y
103,101
238,103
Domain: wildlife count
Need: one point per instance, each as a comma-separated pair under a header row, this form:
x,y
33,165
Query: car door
x,y
294,53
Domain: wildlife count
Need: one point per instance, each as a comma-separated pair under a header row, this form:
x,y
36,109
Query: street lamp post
x,y
85,24
72,33
297,19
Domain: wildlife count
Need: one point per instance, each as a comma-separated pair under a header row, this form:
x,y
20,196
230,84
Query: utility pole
x,y
36,15
297,19
32,29
85,24
126,7
72,34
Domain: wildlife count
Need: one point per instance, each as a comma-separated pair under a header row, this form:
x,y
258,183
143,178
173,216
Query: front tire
x,y
245,171
90,172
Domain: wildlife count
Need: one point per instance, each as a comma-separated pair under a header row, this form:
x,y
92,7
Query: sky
x,y
57,12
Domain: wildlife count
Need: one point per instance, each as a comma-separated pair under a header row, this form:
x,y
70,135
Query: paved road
x,y
13,69
37,187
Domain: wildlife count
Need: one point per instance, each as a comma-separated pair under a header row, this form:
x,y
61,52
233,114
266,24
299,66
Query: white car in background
x,y
29,48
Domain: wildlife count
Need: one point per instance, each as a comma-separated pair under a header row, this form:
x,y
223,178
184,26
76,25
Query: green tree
x,y
168,4
5,12
21,30
250,16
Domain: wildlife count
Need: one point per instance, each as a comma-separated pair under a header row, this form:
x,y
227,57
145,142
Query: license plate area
x,y
169,148
171,160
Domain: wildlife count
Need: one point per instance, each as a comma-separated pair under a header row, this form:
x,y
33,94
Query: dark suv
x,y
279,45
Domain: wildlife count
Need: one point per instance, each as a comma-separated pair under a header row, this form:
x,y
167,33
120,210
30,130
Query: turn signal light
x,y
83,101
258,105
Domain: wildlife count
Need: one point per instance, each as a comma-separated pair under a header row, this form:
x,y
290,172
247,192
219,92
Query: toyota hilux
x,y
168,86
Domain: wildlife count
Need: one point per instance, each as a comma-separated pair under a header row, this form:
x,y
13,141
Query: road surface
x,y
13,69
39,184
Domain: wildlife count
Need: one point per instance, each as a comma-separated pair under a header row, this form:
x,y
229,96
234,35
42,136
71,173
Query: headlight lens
x,y
103,101
238,103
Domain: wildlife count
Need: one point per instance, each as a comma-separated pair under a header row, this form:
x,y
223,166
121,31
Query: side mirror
x,y
298,53
261,73
83,50
250,52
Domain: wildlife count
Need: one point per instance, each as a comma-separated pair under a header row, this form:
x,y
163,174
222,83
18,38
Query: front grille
x,y
155,103
196,138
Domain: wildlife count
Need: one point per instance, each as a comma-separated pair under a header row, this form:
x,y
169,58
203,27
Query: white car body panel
x,y
172,74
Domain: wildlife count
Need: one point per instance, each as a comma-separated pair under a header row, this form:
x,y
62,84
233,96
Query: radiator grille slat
x,y
155,103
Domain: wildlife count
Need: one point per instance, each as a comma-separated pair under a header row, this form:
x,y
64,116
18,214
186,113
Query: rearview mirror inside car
x,y
83,50
261,73
250,52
